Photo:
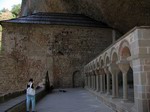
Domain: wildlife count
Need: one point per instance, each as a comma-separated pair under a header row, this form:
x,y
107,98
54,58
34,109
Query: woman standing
x,y
30,96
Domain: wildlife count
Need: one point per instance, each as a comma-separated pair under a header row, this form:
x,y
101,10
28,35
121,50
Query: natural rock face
x,y
120,14
34,49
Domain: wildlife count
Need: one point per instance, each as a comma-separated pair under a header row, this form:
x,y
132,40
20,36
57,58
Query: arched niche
x,y
124,50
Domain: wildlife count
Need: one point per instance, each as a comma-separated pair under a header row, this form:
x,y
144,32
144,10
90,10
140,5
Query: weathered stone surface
x,y
136,77
120,14
61,50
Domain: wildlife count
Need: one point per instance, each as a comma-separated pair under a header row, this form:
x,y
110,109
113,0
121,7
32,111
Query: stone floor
x,y
73,100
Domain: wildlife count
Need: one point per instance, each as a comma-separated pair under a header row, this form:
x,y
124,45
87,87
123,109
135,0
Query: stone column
x,y
124,67
86,80
103,80
108,79
97,80
104,83
90,80
117,84
98,83
113,68
93,80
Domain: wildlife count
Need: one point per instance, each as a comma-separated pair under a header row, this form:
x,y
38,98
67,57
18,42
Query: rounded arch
x,y
114,56
88,67
99,60
124,50
94,63
102,62
91,63
77,79
85,68
106,59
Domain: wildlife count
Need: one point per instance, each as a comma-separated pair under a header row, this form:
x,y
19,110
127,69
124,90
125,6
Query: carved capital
x,y
106,70
124,65
113,68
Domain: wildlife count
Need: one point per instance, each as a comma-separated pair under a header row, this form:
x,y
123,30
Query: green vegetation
x,y
16,10
0,36
5,14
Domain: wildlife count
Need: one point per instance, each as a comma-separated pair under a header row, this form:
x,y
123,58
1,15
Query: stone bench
x,y
18,104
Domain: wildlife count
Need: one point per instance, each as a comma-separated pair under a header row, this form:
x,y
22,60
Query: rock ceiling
x,y
120,14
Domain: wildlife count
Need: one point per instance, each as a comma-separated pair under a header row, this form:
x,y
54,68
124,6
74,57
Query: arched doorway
x,y
77,79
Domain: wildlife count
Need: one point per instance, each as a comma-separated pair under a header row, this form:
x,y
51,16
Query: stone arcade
x,y
128,58
54,37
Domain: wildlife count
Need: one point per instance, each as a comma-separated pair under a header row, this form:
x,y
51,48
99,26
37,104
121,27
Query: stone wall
x,y
74,47
18,63
60,50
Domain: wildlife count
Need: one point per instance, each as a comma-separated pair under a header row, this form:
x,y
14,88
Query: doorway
x,y
77,79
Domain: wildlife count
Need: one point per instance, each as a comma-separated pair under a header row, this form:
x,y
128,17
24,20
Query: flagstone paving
x,y
73,100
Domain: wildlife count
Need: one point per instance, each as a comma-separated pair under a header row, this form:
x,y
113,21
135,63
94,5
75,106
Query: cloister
x,y
122,71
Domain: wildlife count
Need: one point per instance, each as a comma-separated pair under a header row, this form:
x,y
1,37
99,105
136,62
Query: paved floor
x,y
74,100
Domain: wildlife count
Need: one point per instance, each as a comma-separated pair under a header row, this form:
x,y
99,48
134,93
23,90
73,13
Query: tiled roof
x,y
58,19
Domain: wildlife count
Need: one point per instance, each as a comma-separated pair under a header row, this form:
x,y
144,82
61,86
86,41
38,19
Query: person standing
x,y
30,96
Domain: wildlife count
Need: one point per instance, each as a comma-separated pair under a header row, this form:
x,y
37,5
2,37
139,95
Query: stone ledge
x,y
20,106
9,96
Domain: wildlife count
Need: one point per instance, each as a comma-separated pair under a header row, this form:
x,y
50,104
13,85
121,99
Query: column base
x,y
108,93
101,92
97,90
124,101
114,97
92,89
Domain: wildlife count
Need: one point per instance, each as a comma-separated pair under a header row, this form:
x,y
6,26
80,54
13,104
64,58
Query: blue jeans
x,y
30,98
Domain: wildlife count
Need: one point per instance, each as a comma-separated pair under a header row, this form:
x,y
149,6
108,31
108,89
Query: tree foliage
x,y
6,15
4,10
0,36
16,10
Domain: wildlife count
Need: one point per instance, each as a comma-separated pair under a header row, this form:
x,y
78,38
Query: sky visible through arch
x,y
8,3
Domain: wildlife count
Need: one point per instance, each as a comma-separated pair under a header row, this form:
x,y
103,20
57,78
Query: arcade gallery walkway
x,y
73,100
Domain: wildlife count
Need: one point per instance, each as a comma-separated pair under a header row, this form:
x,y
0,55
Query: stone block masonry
x,y
61,50
129,52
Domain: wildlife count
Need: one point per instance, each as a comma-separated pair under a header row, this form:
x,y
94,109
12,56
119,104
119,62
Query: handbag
x,y
30,91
